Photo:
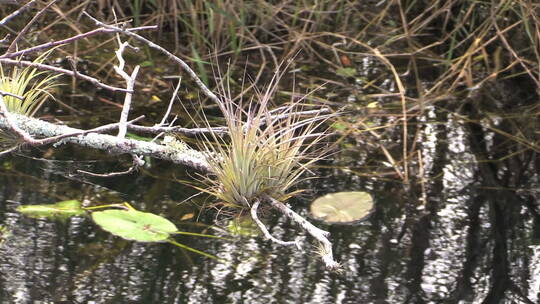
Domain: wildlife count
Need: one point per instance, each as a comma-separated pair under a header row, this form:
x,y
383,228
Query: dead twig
x,y
69,40
265,231
318,234
130,81
169,108
137,162
4,93
47,67
5,152
170,55
13,44
16,13
220,131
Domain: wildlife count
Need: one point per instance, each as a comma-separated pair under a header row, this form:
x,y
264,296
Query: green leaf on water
x,y
342,207
62,209
243,226
135,225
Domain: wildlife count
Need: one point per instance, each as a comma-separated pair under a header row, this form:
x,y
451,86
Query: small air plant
x,y
28,82
267,152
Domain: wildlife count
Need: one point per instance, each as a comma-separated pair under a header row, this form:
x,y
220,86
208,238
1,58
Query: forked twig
x,y
170,55
265,231
130,81
318,234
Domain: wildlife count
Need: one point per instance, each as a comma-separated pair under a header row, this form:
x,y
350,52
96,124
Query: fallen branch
x,y
108,143
27,138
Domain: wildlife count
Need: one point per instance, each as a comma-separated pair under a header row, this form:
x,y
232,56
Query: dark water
x,y
465,231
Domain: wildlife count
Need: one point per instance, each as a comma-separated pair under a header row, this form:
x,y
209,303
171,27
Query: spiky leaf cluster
x,y
267,152
29,83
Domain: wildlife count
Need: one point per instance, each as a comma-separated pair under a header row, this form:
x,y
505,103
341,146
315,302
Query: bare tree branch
x,y
11,124
130,81
42,66
16,13
69,40
170,55
21,33
108,143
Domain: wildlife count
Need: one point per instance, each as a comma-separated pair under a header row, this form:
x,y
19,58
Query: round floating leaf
x,y
62,209
342,207
135,225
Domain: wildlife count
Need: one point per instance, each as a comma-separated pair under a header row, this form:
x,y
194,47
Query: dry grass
x,y
404,56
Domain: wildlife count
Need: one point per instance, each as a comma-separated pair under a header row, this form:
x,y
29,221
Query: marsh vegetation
x,y
439,113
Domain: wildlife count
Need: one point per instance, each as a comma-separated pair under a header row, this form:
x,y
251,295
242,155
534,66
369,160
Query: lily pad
x,y
63,209
342,207
135,225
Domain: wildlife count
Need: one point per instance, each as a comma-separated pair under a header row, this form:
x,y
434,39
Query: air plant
x,y
267,152
34,86
28,83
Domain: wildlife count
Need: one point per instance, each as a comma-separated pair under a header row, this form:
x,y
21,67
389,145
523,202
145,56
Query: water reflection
x,y
469,241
